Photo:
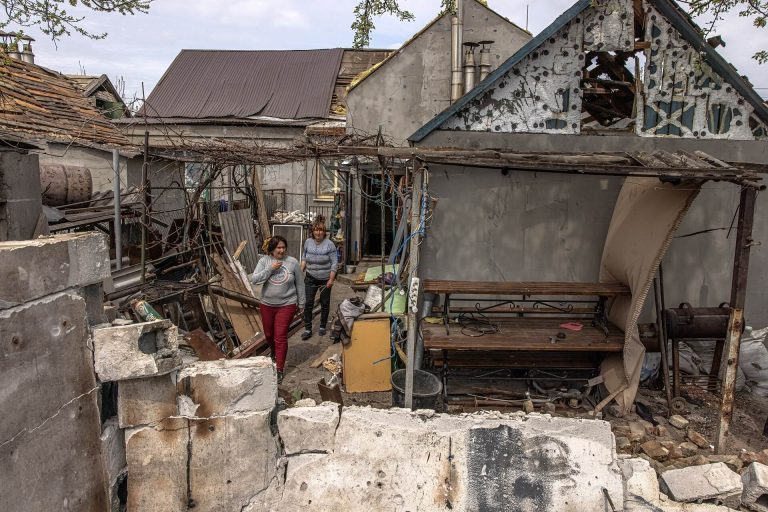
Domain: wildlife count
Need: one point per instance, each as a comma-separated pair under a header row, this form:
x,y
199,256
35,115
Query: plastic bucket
x,y
426,389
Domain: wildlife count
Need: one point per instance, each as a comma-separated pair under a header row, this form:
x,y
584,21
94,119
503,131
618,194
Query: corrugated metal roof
x,y
286,84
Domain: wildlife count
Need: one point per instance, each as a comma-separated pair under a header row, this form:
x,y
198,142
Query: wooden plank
x,y
524,288
261,207
246,320
328,352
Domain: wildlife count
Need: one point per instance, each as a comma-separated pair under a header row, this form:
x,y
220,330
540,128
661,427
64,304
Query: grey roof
x,y
286,84
682,22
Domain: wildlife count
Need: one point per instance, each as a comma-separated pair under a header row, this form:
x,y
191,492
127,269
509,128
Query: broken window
x,y
329,183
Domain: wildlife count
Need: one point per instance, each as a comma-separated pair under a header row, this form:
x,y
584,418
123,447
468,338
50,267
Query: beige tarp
x,y
645,217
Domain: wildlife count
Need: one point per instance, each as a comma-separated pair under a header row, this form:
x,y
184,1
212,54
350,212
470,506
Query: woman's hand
x,y
303,266
299,312
329,283
276,265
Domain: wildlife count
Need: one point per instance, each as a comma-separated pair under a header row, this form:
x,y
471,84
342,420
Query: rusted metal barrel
x,y
65,184
687,322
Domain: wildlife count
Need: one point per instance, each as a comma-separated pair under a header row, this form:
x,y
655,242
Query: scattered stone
x,y
678,421
732,461
623,444
657,466
689,449
762,457
136,350
305,402
697,439
755,481
640,481
614,410
548,408
119,322
648,426
661,431
655,450
528,406
708,482
748,457
674,450
308,429
636,432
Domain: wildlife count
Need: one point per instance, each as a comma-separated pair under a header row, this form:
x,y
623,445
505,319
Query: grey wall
x,y
20,197
414,85
535,226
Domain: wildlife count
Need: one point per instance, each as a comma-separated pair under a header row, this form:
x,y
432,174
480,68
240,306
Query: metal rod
x,y
144,207
419,176
736,322
117,221
662,328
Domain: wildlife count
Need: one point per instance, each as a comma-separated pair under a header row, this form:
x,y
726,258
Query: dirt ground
x,y
747,427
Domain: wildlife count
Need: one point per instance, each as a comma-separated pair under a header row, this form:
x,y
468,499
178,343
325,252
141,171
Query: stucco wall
x,y
535,226
414,85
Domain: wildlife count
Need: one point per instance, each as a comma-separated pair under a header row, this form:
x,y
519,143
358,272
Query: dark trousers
x,y
311,285
276,321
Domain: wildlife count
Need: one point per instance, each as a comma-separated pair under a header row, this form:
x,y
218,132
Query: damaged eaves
x,y
580,63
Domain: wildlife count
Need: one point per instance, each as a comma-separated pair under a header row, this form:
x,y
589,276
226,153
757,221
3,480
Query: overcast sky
x,y
140,48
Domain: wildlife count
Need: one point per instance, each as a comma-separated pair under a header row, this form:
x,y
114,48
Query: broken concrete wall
x,y
399,460
50,446
414,85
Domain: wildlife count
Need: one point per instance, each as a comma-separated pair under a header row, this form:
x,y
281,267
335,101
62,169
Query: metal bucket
x,y
350,269
426,389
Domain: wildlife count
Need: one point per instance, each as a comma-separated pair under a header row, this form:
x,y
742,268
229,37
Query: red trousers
x,y
276,322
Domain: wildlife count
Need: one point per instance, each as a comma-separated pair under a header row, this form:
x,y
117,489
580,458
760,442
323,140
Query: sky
x,y
139,48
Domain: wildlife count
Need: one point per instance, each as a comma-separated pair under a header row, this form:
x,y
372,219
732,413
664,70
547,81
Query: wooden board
x,y
366,359
524,334
523,288
246,320
236,227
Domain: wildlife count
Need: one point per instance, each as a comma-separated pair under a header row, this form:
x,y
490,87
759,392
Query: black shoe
x,y
279,377
321,332
306,334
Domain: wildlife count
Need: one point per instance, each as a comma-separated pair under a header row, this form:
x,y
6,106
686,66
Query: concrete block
x,y
215,464
157,466
397,460
227,386
50,427
755,481
35,268
641,485
714,483
308,429
146,401
136,350
113,455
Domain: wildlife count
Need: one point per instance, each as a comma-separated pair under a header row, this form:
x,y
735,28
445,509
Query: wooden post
x,y
736,322
414,266
261,208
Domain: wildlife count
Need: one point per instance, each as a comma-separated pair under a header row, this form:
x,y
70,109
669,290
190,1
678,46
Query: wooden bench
x,y
518,324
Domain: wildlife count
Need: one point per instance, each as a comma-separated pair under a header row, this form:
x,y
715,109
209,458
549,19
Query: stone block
x,y
145,401
397,460
308,429
227,386
35,268
732,461
113,455
674,450
689,449
655,450
214,464
136,350
755,481
714,483
697,439
640,482
678,421
660,431
637,432
623,444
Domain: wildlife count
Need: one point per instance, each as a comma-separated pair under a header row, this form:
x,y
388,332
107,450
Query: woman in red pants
x,y
282,297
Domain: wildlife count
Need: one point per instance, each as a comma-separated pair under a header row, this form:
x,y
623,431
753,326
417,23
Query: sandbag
x,y
753,359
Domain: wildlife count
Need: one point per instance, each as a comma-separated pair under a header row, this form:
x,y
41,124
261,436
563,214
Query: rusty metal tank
x,y
65,184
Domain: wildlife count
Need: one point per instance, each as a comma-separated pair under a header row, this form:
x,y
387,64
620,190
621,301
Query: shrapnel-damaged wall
x,y
542,93
684,96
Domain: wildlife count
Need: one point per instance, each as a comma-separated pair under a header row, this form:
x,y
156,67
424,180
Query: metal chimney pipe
x,y
27,55
469,67
457,30
485,59
13,50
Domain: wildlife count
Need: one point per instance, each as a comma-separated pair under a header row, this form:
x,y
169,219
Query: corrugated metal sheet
x,y
287,84
237,226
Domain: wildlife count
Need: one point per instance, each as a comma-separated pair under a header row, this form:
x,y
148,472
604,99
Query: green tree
x,y
715,10
54,20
